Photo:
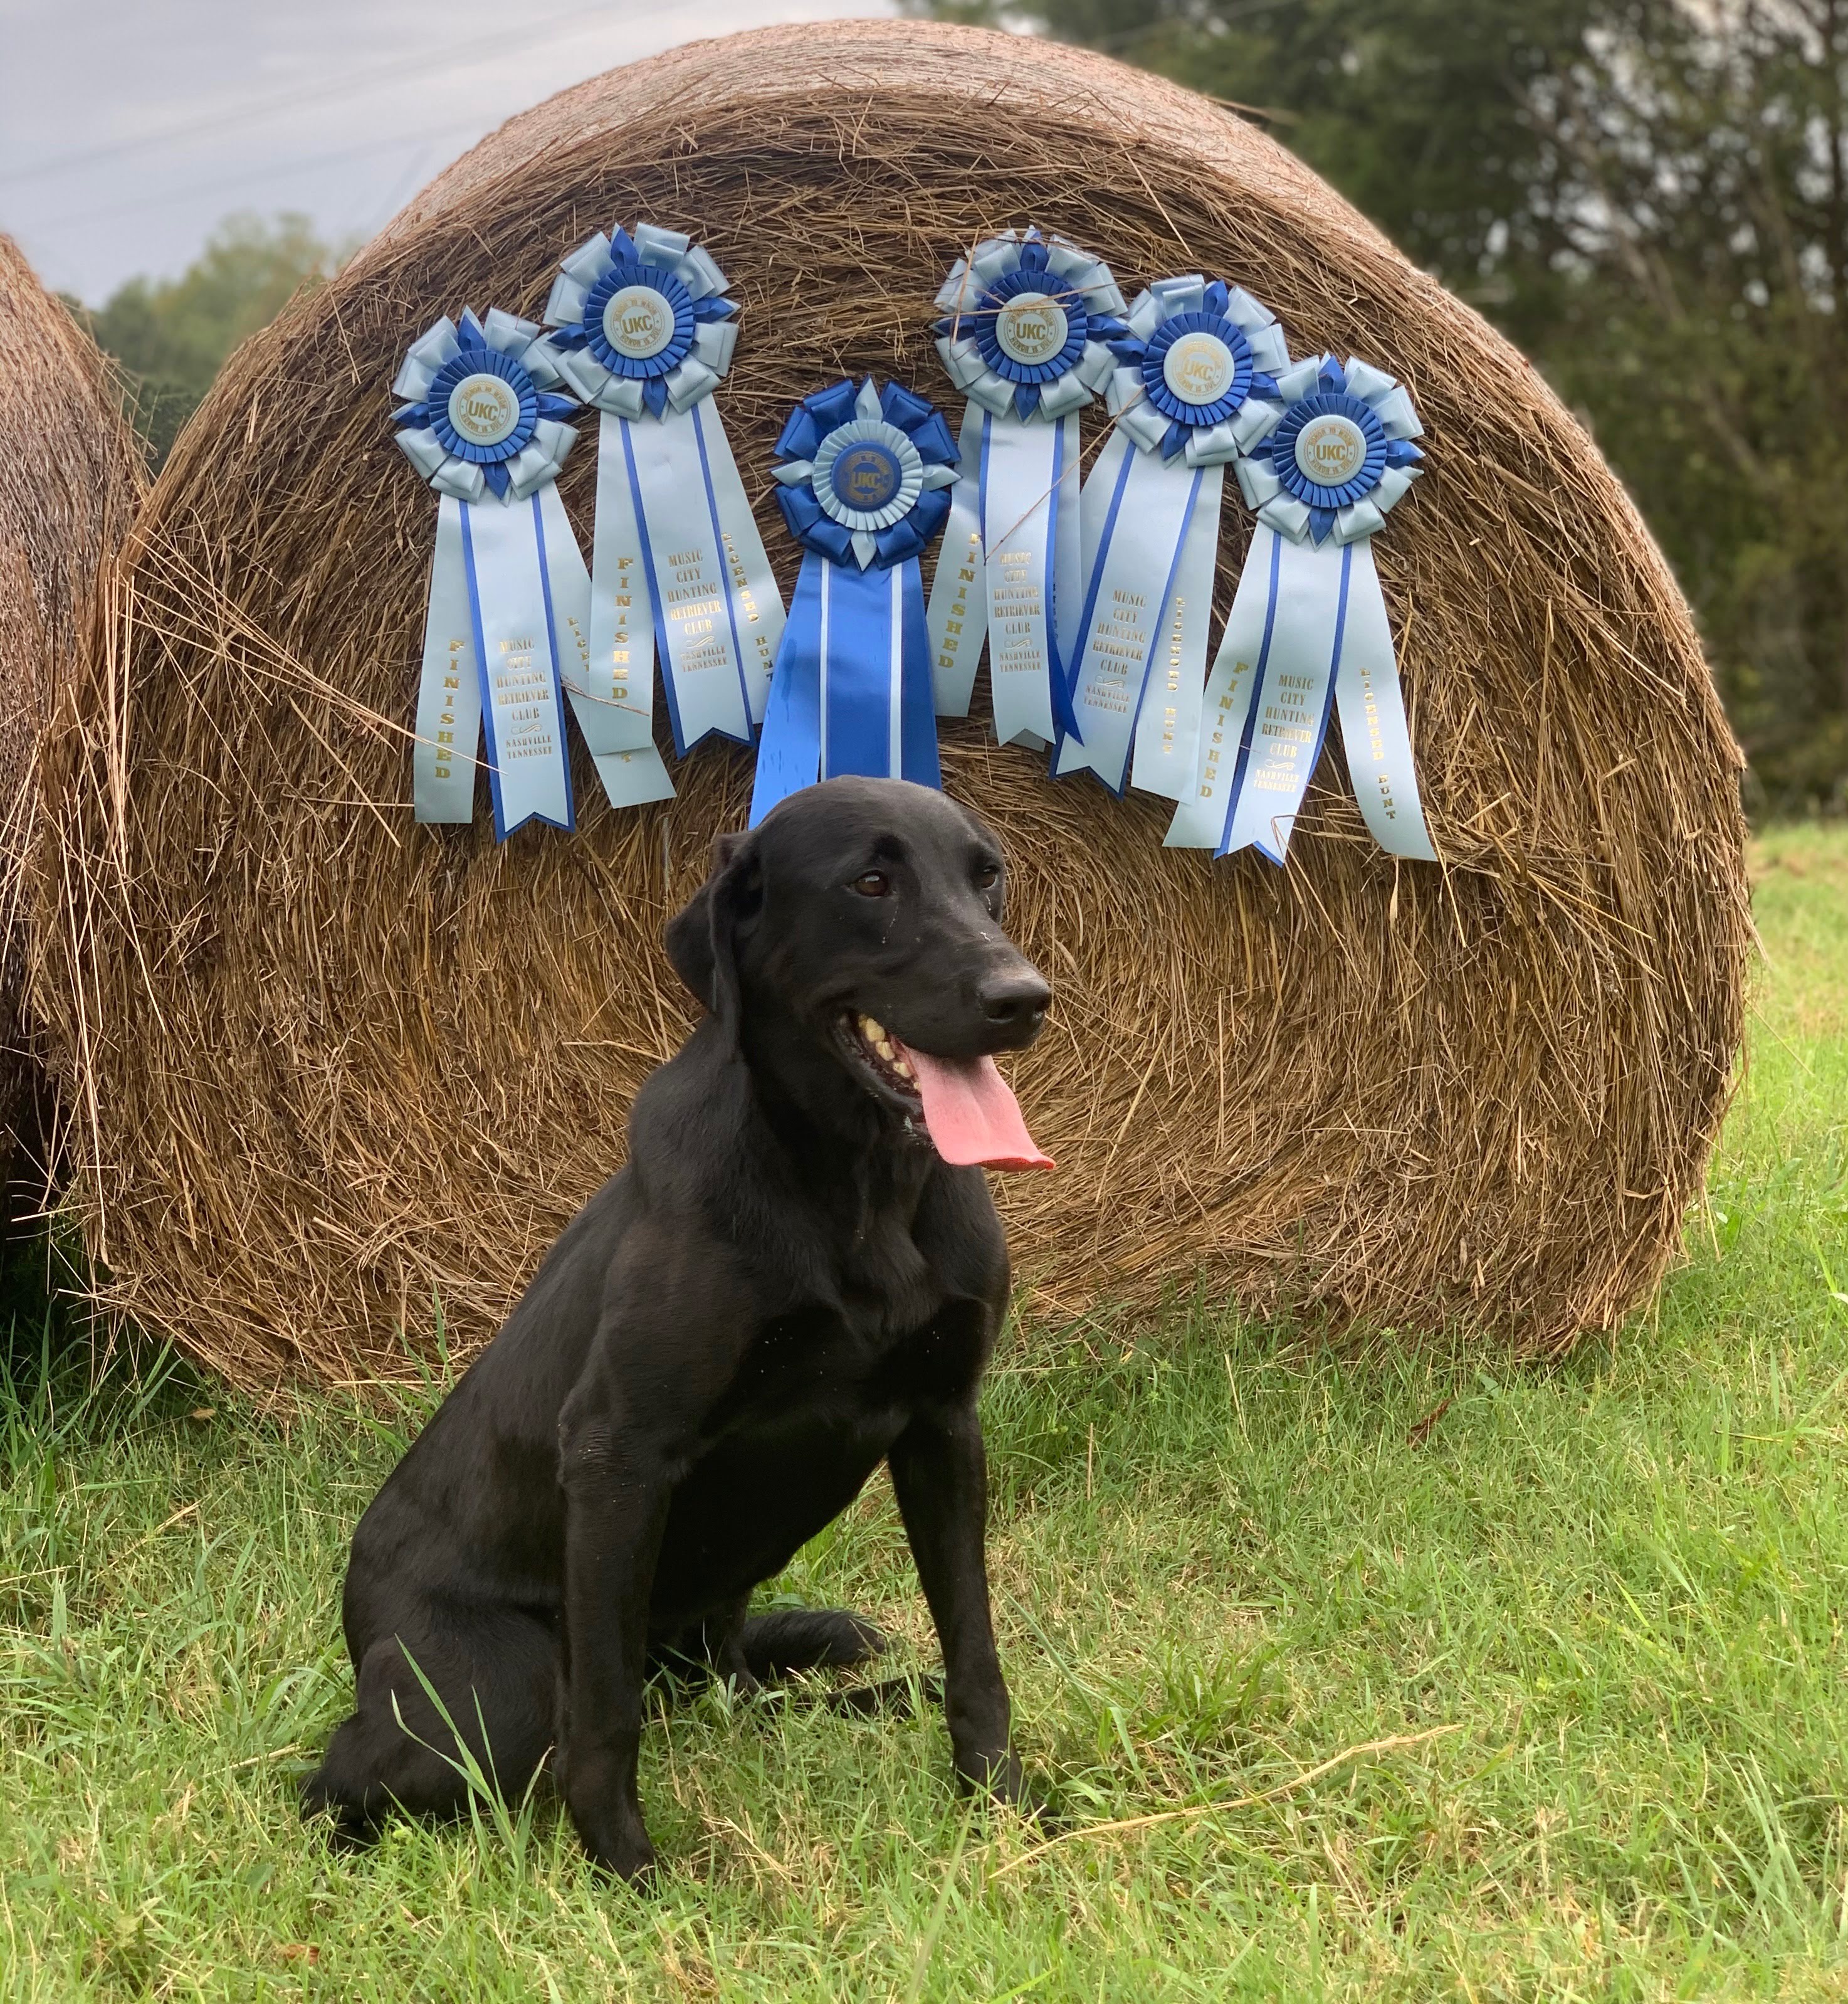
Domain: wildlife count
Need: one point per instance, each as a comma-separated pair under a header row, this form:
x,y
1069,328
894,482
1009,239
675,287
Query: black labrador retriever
x,y
799,1274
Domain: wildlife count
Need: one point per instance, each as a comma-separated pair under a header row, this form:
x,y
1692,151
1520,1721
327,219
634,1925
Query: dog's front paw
x,y
622,1849
1001,1778
609,1823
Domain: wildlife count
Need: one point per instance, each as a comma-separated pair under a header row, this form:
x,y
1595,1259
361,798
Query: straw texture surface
x,y
334,1068
71,478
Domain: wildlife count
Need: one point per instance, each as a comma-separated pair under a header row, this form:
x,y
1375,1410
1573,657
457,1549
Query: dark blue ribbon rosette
x,y
862,480
640,323
1339,457
864,475
481,415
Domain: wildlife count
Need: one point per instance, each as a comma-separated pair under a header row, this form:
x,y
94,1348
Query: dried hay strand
x,y
71,478
336,1068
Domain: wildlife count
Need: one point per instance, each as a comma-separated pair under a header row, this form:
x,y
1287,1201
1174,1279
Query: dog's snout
x,y
1015,1000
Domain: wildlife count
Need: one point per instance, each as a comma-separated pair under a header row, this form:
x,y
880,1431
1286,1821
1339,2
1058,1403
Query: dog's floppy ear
x,y
703,935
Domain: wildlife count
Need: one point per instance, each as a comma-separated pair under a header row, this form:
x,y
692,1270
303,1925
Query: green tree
x,y
170,335
1704,338
1651,197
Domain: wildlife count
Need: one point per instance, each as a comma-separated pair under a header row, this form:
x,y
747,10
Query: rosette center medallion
x,y
1031,328
638,322
1331,450
485,409
1199,368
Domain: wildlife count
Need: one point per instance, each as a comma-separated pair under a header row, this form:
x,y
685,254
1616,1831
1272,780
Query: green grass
x,y
1611,1591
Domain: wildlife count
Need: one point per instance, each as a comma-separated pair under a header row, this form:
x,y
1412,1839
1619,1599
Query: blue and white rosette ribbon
x,y
1308,629
863,484
478,418
1194,388
643,331
1026,339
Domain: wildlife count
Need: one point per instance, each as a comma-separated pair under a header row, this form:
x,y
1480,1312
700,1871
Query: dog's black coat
x,y
786,1286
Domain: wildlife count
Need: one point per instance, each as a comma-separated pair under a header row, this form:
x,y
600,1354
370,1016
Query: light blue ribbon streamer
x,y
957,613
449,696
1010,571
1204,813
851,692
1168,726
478,420
631,775
1292,693
714,682
1149,512
1373,730
504,557
1030,528
505,637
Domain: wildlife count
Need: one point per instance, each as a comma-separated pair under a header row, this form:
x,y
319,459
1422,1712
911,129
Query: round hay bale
x,y
71,478
338,1069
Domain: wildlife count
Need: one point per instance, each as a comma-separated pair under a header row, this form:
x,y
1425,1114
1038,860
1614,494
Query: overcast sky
x,y
128,128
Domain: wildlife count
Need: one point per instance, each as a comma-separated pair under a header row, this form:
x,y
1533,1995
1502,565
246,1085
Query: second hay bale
x,y
71,478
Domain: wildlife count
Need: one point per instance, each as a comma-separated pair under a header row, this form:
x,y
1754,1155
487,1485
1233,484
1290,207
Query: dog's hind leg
x,y
496,1676
711,1648
807,1638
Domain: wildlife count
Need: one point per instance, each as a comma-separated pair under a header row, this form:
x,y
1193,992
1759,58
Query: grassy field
x,y
1594,1612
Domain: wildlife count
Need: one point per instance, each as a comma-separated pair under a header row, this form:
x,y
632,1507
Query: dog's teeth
x,y
873,1032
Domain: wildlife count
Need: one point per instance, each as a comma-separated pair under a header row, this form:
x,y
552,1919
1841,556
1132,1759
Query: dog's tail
x,y
807,1638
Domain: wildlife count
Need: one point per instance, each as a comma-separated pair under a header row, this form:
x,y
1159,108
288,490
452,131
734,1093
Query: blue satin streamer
x,y
789,750
1061,536
855,640
918,707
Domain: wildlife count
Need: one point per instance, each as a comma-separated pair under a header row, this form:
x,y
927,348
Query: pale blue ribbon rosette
x,y
863,484
478,420
643,331
1030,320
1308,629
1194,388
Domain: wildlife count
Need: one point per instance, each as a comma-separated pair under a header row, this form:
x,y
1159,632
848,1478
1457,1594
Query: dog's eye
x,y
874,884
987,876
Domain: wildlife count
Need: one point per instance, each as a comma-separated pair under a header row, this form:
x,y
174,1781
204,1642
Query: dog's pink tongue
x,y
972,1117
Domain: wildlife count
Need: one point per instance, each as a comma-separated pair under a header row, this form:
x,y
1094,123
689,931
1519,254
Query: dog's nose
x,y
1015,1000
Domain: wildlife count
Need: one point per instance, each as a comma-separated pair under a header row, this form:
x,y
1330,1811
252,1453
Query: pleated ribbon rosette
x,y
862,481
1194,387
1029,322
509,596
642,331
1308,629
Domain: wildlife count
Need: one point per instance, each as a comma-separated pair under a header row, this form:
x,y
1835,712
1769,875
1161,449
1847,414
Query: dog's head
x,y
866,914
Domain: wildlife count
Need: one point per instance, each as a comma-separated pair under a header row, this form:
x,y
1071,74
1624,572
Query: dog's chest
x,y
814,1406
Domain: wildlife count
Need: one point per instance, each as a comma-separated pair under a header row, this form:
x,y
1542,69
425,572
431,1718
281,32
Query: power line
x,y
220,182
471,56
